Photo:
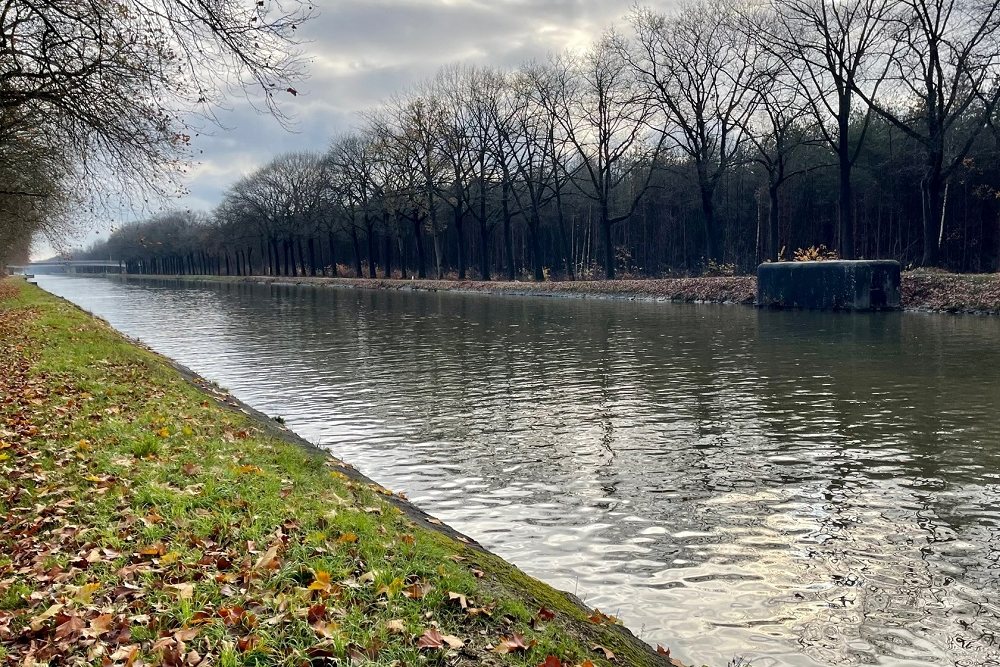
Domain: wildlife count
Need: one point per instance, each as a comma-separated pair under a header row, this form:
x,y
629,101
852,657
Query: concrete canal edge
x,y
925,291
504,577
858,285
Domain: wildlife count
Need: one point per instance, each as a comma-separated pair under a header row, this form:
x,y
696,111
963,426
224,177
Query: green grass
x,y
181,525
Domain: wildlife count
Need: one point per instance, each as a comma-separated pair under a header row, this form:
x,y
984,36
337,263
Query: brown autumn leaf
x,y
545,614
183,591
231,615
317,612
324,629
100,625
608,653
126,654
69,627
407,539
269,559
551,661
418,590
514,643
155,549
248,643
430,639
186,634
459,599
190,469
665,652
601,618
348,538
396,626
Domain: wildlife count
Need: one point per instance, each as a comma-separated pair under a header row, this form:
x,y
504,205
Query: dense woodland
x,y
699,141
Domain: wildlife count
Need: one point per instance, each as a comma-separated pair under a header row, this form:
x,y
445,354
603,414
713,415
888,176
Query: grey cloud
x,y
363,52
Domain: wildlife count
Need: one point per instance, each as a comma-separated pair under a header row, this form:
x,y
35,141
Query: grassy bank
x,y
147,520
934,291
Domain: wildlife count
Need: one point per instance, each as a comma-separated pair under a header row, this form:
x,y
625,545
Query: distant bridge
x,y
69,266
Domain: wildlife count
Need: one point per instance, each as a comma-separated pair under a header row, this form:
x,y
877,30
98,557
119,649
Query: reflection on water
x,y
805,488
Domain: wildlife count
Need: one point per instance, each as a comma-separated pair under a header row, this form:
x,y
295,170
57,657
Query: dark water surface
x,y
802,488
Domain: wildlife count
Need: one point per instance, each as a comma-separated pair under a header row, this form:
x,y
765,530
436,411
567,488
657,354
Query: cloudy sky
x,y
363,51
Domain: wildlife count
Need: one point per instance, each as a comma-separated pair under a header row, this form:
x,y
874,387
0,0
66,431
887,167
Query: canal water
x,y
800,488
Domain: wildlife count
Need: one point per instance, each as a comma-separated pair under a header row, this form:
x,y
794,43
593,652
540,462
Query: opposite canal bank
x,y
149,516
925,291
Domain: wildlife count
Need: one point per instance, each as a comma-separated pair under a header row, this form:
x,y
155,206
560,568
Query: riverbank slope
x,y
929,291
148,517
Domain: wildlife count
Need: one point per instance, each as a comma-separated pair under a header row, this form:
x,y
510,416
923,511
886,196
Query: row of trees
x,y
98,99
709,138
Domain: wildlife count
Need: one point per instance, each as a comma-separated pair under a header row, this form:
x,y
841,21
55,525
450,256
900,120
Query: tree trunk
x,y
609,248
708,217
333,253
370,231
302,257
536,245
845,213
313,269
931,188
508,232
436,238
356,244
418,235
773,224
460,230
484,232
387,251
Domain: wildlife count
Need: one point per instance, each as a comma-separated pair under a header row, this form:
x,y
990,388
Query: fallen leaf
x,y
551,661
324,629
418,590
608,654
514,643
430,639
183,591
70,628
396,626
268,561
86,592
100,625
38,621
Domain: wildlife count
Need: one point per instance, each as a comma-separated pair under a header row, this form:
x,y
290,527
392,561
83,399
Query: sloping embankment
x,y
149,518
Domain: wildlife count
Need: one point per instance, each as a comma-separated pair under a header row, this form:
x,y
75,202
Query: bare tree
x,y
943,71
117,85
699,66
608,120
832,49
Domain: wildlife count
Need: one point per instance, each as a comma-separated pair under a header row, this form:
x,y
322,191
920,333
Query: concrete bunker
x,y
830,285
